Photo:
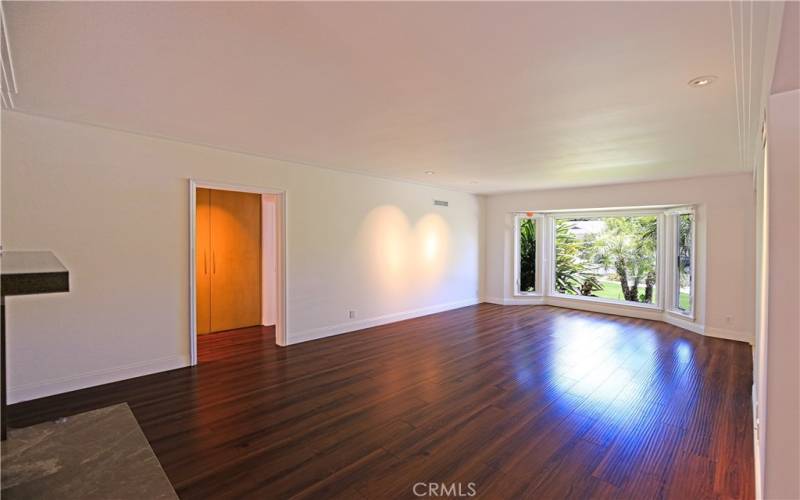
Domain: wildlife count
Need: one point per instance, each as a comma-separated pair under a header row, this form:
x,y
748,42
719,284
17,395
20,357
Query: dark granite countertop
x,y
32,272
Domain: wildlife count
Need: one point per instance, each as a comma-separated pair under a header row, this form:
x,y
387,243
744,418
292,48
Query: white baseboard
x,y
629,311
525,301
351,326
756,446
722,333
493,300
515,301
619,310
26,392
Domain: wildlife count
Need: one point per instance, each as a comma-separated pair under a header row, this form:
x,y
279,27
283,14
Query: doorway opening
x,y
237,271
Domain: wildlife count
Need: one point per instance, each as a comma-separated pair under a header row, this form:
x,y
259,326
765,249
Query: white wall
x,y
781,417
725,247
114,207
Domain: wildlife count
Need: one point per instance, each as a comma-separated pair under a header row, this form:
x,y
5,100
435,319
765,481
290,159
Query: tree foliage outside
x,y
622,249
685,222
527,255
573,272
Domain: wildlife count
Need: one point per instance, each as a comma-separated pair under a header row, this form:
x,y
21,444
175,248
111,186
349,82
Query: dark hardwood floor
x,y
524,402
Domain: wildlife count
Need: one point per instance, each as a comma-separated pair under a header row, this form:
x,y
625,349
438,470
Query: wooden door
x,y
235,259
203,260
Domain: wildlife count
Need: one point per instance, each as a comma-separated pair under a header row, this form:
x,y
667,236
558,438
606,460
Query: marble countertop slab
x,y
100,454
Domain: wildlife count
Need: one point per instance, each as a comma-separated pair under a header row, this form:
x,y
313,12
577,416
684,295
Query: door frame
x,y
281,281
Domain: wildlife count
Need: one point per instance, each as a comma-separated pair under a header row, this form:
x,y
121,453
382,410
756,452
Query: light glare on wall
x,y
401,254
431,246
385,233
432,237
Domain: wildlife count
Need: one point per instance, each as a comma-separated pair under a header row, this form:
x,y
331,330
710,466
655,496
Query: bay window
x,y
633,257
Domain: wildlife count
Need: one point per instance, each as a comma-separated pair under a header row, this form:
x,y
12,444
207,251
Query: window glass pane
x,y
684,264
608,257
527,255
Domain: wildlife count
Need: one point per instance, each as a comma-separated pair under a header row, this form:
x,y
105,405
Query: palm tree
x,y
572,270
628,244
647,247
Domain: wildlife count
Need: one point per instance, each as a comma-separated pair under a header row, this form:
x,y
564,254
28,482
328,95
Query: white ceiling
x,y
491,96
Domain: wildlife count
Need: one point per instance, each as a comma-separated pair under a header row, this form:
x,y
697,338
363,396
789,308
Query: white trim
x,y
226,186
531,300
722,333
192,276
619,309
630,312
329,331
526,300
661,261
762,315
673,284
678,313
757,447
656,209
616,308
684,322
493,300
49,387
600,213
603,300
686,209
281,218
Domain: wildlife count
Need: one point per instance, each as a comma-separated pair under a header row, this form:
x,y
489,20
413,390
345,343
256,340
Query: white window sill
x,y
681,314
600,300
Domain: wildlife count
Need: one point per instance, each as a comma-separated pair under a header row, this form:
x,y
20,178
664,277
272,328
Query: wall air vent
x,y
440,203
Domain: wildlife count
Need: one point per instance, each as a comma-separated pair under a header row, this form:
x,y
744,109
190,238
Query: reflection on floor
x,y
98,454
235,344
521,401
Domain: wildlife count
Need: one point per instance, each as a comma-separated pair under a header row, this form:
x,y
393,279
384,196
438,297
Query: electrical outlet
x,y
352,314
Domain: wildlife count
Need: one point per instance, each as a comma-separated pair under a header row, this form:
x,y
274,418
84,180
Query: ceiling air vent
x,y
440,203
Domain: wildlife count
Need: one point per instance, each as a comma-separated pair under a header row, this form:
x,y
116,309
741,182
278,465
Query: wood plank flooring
x,y
523,402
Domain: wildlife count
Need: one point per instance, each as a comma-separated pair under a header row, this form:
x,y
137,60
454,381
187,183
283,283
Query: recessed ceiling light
x,y
429,172
702,81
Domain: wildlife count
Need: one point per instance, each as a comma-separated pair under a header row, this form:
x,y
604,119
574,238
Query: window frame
x,y
539,219
658,305
674,285
666,300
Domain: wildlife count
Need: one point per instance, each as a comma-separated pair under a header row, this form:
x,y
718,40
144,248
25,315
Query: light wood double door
x,y
228,258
